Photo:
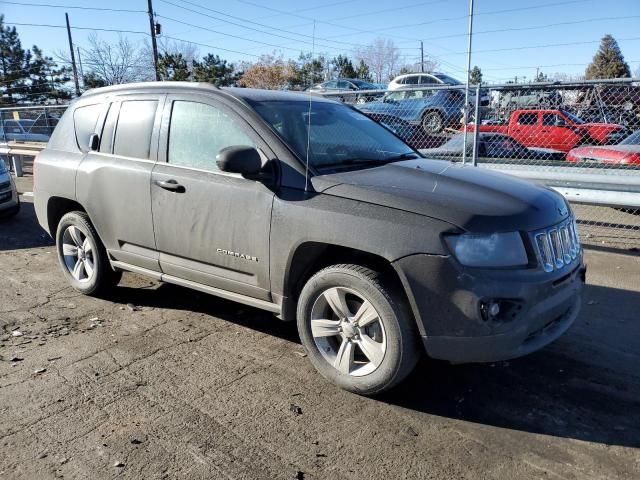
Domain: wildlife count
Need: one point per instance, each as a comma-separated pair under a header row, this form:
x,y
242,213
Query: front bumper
x,y
8,194
536,307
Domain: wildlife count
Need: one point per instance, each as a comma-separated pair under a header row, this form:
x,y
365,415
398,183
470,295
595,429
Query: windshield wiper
x,y
403,156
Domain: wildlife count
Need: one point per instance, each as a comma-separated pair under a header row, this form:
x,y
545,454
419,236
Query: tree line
x,y
28,76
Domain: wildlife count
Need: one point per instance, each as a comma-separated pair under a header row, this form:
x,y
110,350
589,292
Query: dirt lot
x,y
156,381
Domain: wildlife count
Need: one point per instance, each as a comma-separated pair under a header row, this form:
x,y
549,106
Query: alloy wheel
x,y
348,331
78,253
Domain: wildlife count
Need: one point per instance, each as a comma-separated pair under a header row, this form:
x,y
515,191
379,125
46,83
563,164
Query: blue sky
x,y
512,37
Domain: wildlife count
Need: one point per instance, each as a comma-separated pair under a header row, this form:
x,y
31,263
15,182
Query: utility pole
x,y
466,90
73,58
154,45
421,56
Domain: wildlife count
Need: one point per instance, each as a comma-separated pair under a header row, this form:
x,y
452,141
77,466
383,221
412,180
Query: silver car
x,y
9,201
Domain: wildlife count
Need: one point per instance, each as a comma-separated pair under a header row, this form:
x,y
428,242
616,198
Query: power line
x,y
74,7
537,27
45,25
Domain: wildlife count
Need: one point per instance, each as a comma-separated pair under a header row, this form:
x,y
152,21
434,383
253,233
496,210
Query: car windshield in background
x,y
339,137
633,139
447,79
364,85
572,117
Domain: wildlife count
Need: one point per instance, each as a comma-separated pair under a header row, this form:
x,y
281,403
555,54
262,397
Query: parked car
x,y
492,147
432,109
13,130
627,152
9,200
411,80
309,209
555,129
348,86
413,135
421,80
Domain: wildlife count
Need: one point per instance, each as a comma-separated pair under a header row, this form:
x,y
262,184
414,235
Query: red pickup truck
x,y
555,129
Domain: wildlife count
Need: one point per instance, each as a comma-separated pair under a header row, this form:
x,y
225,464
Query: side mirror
x,y
94,142
239,159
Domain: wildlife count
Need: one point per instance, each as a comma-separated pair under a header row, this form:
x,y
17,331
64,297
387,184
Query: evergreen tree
x,y
475,76
91,80
173,67
608,62
343,67
308,70
215,70
362,71
46,80
14,65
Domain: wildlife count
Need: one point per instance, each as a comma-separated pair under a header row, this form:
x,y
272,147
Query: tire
x,y
85,264
10,213
366,359
432,122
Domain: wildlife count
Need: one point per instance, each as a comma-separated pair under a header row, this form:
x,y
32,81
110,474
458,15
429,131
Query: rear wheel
x,y
82,256
432,122
355,331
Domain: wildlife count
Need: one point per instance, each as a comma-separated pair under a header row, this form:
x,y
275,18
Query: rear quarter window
x,y
85,119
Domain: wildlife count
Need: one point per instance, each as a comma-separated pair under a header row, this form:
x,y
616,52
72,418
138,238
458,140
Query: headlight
x,y
495,250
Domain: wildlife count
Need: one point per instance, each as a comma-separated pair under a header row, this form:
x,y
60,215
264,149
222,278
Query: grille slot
x,y
558,245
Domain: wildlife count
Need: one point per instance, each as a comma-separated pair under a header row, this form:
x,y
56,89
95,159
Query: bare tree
x,y
270,72
382,57
117,63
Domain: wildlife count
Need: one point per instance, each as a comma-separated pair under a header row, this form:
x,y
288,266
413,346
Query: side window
x,y
426,79
198,132
553,120
331,84
528,119
412,80
85,120
344,85
135,126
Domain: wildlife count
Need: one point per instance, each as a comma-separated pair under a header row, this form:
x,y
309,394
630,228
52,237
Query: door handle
x,y
170,185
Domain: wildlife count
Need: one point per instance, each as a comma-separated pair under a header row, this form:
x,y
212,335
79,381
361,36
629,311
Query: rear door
x,y
214,228
526,130
113,183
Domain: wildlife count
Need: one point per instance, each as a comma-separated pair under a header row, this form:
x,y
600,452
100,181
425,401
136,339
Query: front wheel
x,y
82,256
355,330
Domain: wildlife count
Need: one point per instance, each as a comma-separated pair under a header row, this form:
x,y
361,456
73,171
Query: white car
x,y
410,80
9,200
417,80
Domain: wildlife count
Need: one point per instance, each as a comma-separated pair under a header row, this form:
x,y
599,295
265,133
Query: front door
x,y
211,227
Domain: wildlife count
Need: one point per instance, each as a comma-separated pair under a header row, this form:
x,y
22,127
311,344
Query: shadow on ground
x,y
552,392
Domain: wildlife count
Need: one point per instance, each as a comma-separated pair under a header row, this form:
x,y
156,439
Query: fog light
x,y
489,310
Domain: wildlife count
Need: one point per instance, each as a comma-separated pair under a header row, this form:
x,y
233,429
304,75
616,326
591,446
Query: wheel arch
x,y
57,207
311,257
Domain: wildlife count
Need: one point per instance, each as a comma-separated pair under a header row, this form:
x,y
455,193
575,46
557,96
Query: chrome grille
x,y
557,246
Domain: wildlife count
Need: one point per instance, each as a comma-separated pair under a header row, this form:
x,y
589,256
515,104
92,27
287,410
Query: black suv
x,y
307,208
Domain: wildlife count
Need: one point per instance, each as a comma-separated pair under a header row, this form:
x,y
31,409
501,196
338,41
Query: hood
x,y
471,198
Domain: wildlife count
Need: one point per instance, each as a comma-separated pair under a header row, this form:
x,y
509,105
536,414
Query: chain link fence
x,y
583,139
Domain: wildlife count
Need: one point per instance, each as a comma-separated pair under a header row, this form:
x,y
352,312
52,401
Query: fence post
x,y
476,128
17,164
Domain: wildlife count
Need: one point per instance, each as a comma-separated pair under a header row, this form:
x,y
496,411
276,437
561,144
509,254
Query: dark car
x,y
432,109
413,135
492,147
348,89
308,209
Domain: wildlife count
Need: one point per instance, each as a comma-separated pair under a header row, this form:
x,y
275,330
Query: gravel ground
x,y
156,381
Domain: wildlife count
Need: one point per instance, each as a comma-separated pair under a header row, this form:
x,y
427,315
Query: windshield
x,y
362,85
633,139
572,117
446,79
338,136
